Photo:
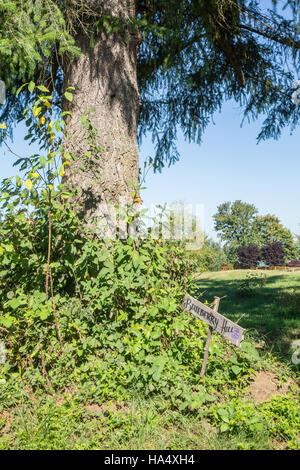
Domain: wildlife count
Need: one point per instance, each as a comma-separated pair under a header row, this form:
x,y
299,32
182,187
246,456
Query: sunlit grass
x,y
273,311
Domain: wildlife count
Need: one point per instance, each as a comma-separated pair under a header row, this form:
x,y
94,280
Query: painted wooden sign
x,y
215,320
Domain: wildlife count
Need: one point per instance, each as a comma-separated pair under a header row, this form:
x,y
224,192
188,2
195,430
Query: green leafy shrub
x,y
210,257
75,309
118,297
282,415
278,418
237,416
204,259
113,325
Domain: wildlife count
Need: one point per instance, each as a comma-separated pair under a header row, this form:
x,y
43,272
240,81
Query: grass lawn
x,y
273,311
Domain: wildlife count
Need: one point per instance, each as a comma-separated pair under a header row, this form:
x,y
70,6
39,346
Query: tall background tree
x,y
298,244
147,66
233,221
268,229
239,226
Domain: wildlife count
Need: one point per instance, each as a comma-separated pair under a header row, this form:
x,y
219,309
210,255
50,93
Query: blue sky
x,y
230,165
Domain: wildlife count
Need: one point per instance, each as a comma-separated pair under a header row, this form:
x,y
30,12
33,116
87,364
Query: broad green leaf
x,y
236,370
68,96
6,321
31,86
43,88
19,89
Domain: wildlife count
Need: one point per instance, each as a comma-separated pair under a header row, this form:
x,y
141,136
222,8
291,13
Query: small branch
x,y
54,311
277,89
11,151
49,274
49,245
284,41
242,316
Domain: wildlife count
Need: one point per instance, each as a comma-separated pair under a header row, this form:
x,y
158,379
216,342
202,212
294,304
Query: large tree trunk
x,y
105,79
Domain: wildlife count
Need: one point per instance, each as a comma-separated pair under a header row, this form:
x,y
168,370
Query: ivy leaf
x,y
19,89
42,120
224,427
68,96
6,321
43,314
31,86
43,88
250,350
236,370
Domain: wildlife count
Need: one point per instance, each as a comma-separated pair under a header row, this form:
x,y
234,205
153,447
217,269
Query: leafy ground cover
x,y
140,424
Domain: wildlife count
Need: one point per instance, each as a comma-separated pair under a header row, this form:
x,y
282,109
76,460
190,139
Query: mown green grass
x,y
273,312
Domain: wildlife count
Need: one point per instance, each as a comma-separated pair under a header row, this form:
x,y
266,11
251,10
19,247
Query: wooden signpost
x,y
217,322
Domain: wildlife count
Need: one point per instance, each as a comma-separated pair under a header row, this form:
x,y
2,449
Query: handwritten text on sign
x,y
222,325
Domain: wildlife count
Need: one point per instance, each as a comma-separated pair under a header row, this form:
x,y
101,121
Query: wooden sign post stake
x,y
227,328
210,331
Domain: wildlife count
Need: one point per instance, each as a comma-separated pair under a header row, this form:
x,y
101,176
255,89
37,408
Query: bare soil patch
x,y
265,385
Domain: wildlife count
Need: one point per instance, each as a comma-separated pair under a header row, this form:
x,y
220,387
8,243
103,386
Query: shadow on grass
x,y
272,311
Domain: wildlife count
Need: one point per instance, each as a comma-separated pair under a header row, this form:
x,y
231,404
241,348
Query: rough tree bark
x,y
105,79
